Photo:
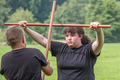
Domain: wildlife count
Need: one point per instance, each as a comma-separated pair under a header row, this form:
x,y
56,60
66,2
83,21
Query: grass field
x,y
107,66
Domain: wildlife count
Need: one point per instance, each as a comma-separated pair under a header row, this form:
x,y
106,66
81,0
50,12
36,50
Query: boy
x,y
22,63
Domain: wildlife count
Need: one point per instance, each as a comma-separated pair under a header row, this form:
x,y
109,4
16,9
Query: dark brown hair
x,y
14,34
79,31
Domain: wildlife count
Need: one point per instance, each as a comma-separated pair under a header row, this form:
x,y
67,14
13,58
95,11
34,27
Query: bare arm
x,y
98,43
34,35
47,70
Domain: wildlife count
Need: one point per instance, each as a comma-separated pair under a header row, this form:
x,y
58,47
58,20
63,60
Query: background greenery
x,y
106,67
67,11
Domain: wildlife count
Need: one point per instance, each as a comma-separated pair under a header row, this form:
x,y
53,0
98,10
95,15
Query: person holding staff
x,y
75,58
22,63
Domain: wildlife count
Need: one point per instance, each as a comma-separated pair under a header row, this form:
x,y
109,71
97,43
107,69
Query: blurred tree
x,y
67,11
22,14
2,35
4,10
72,11
60,2
40,8
105,12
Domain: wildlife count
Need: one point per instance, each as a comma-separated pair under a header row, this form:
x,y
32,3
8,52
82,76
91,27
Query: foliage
x,y
67,11
3,12
72,11
22,14
2,33
40,8
105,12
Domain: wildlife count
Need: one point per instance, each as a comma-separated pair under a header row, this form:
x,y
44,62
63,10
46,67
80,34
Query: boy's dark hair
x,y
79,31
14,34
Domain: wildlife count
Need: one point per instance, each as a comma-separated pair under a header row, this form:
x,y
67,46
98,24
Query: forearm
x,y
47,70
36,36
100,37
98,44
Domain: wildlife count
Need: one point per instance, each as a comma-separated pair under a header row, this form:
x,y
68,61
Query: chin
x,y
70,45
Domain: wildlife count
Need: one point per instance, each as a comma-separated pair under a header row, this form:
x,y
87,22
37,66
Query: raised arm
x,y
98,43
34,35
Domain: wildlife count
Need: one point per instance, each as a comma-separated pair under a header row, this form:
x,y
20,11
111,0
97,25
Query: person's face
x,y
73,40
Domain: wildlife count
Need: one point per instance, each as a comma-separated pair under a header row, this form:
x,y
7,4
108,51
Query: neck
x,y
78,46
18,46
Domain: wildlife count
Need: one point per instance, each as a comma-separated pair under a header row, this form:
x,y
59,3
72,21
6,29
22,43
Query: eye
x,y
66,35
73,35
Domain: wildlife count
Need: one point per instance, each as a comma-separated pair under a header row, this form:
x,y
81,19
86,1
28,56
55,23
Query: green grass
x,y
107,66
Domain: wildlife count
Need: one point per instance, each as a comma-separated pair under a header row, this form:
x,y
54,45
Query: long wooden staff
x,y
60,25
49,34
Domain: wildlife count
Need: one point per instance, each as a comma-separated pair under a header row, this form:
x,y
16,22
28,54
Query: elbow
x,y
50,72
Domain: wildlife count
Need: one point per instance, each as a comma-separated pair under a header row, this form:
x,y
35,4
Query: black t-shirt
x,y
23,64
74,63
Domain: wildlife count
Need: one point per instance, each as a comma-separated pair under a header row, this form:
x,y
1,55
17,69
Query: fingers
x,y
94,25
23,24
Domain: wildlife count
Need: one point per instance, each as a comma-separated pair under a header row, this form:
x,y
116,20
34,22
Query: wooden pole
x,y
60,25
49,34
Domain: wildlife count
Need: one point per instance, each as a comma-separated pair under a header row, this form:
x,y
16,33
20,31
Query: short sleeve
x,y
43,61
1,72
41,58
56,47
91,50
2,67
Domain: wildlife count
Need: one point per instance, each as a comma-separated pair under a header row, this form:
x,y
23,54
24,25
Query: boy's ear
x,y
8,44
23,39
81,36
